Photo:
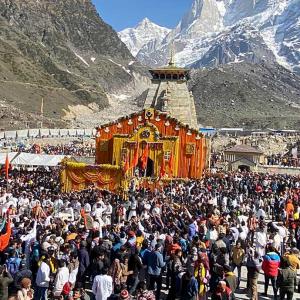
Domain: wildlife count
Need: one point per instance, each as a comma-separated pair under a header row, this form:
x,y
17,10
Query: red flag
x,y
4,238
6,166
171,163
126,165
162,168
135,160
144,157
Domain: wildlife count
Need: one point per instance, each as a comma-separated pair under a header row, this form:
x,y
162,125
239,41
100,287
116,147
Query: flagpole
x,y
172,174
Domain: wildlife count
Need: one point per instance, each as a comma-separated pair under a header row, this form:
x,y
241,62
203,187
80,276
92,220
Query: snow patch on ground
x,y
115,63
119,65
221,8
81,58
269,38
131,63
126,70
120,97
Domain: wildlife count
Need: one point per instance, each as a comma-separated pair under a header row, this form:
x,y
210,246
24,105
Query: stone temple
x,y
169,93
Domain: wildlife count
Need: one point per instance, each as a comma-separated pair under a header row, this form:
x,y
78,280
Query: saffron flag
x,y
162,168
144,158
135,160
171,164
4,238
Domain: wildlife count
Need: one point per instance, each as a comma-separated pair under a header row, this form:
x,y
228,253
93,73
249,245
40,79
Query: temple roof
x,y
243,149
170,68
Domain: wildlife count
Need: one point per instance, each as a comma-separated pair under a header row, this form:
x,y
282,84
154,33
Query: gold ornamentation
x,y
190,149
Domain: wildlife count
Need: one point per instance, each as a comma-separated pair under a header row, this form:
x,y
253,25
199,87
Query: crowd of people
x,y
190,240
80,149
283,160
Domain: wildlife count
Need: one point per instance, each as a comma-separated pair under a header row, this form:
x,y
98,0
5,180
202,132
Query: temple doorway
x,y
149,172
244,168
150,168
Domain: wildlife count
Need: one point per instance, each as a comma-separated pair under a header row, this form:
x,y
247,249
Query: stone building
x,y
243,157
169,93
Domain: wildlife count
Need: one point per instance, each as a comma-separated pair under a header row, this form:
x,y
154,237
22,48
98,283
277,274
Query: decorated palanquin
x,y
148,145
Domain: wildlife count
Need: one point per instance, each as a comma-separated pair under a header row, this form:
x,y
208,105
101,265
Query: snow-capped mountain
x,y
146,32
221,31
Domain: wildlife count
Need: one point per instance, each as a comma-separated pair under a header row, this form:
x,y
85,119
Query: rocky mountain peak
x,y
143,35
196,37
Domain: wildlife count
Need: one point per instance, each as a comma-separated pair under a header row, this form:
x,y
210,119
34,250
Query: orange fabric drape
x,y
162,168
135,159
81,176
4,238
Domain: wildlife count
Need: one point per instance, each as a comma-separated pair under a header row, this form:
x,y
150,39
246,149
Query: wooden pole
x,y
42,112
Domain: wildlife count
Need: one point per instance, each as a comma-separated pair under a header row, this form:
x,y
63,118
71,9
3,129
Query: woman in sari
x,y
202,274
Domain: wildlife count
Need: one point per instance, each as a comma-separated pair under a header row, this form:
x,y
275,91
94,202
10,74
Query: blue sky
x,y
121,14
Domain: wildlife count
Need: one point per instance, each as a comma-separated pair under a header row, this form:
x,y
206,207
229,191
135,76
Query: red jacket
x,y
271,264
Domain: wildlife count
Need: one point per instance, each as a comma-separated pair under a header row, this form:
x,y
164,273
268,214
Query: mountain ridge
x,y
62,52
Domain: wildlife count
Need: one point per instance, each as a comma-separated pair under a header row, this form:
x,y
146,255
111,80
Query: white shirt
x,y
102,287
61,278
43,275
87,207
261,213
261,239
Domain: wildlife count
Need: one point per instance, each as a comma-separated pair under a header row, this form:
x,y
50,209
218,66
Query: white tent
x,y
72,132
44,132
80,132
11,156
63,132
10,134
2,135
54,132
29,159
22,133
34,133
88,131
